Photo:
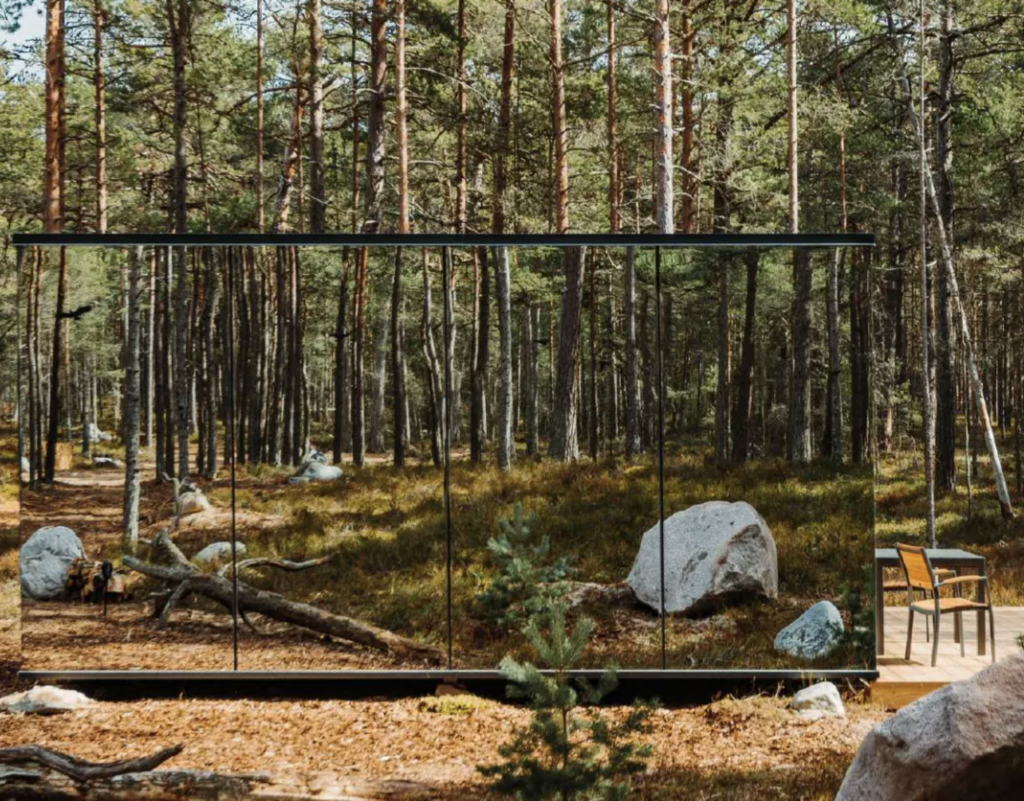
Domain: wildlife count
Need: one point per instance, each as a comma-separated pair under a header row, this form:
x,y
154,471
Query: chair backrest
x,y
916,566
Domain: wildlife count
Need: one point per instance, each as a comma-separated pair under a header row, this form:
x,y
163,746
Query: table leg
x,y
879,610
982,633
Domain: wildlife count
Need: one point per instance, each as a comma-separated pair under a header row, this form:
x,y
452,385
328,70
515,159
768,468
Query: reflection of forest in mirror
x,y
347,569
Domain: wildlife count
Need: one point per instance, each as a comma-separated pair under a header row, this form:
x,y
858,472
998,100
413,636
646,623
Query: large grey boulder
x,y
44,701
217,553
963,742
44,561
814,634
315,468
715,553
819,700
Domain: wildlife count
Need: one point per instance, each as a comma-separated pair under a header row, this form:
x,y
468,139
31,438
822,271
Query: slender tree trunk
x,y
317,190
742,405
478,377
133,461
341,365
665,201
209,383
503,281
614,190
100,113
722,223
399,411
260,214
531,329
434,369
834,410
945,330
687,166
634,443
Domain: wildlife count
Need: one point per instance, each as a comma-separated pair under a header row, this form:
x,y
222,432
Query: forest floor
x,y
387,526
730,749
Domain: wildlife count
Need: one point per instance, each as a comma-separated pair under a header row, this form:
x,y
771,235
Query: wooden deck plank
x,y
901,681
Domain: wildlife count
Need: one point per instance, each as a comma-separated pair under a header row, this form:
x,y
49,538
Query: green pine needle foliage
x,y
528,580
569,751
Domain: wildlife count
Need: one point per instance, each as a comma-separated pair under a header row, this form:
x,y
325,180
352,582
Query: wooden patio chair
x,y
900,585
921,576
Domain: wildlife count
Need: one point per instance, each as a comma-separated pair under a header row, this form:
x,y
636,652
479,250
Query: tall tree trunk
x,y
399,402
99,83
665,201
341,365
53,211
634,443
460,133
478,377
687,166
833,440
722,223
503,285
435,373
208,382
380,362
531,330
260,215
317,190
742,405
133,461
614,190
945,330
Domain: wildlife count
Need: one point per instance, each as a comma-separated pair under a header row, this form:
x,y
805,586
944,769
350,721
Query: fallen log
x,y
190,580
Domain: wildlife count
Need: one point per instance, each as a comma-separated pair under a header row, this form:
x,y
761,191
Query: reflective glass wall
x,y
341,471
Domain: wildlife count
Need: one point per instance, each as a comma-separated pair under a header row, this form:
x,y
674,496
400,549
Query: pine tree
x,y
569,750
528,582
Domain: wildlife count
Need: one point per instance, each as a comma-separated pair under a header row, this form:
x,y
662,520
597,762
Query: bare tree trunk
x,y
722,222
99,83
341,365
434,368
260,221
503,281
634,443
317,190
834,410
478,377
399,401
209,383
688,171
133,466
564,431
531,329
665,201
742,405
380,362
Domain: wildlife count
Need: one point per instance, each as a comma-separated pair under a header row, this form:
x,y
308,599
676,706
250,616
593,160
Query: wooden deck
x,y
901,681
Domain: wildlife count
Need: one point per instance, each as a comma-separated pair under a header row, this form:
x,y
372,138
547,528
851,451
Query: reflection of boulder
x,y
107,461
315,468
964,742
814,634
189,499
44,561
819,700
44,701
715,553
25,469
96,435
217,553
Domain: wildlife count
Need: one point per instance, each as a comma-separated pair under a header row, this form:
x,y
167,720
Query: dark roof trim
x,y
818,240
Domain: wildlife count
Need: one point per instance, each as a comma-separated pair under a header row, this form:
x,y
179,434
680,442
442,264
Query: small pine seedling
x,y
568,751
528,580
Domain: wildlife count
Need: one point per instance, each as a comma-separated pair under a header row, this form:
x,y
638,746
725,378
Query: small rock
x,y
44,561
44,701
715,553
107,461
191,500
217,553
814,634
818,700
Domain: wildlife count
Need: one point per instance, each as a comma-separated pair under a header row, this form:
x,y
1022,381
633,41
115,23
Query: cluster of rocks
x,y
718,553
314,467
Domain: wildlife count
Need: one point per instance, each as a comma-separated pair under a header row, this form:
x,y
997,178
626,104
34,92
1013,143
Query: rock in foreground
x,y
819,699
715,553
44,561
44,701
963,742
814,634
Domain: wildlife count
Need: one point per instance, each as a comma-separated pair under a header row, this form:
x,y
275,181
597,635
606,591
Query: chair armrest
x,y
962,580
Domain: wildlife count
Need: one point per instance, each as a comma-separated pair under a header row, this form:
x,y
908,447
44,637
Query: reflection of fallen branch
x,y
190,580
79,769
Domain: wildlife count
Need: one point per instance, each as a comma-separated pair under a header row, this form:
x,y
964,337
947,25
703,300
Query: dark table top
x,y
888,557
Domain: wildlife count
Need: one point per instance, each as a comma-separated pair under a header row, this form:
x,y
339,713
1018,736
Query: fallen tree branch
x,y
216,587
79,769
280,564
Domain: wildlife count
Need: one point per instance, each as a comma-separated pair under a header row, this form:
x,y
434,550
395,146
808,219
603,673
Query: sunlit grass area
x,y
976,526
